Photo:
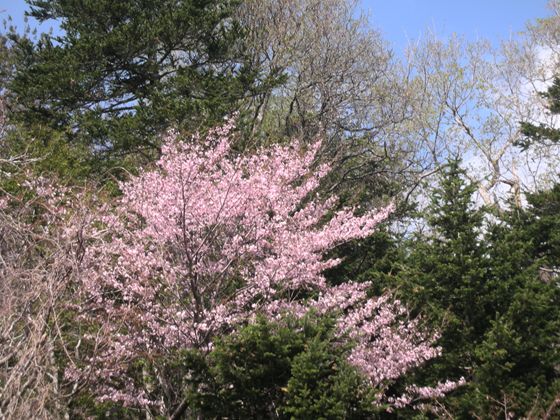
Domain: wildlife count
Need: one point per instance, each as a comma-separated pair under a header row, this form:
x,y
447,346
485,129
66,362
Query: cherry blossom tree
x,y
206,241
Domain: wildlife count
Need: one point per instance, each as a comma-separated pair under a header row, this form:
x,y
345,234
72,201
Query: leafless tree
x,y
341,80
39,259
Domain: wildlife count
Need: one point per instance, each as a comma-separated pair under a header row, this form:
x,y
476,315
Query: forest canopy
x,y
258,209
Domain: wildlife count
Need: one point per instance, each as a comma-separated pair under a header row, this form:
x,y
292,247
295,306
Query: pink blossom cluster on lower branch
x,y
208,239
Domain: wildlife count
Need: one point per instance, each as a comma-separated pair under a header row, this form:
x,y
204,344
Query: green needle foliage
x,y
287,369
518,359
541,133
120,73
447,268
491,284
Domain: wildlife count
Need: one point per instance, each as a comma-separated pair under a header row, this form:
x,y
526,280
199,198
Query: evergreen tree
x,y
288,369
445,278
493,289
519,356
542,224
541,133
119,73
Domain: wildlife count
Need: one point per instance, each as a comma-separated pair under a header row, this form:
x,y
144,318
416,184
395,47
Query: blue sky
x,y
16,9
403,20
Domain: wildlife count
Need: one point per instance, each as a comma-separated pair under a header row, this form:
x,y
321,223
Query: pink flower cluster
x,y
415,395
207,240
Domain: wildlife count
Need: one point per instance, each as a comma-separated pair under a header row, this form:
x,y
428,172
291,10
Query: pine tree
x,y
444,277
119,73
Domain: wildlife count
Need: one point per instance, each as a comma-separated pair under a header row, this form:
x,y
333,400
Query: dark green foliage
x,y
324,386
520,353
542,225
287,369
445,275
374,259
490,283
122,72
6,62
542,132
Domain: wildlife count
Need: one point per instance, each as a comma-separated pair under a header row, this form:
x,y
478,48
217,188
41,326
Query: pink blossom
x,y
207,240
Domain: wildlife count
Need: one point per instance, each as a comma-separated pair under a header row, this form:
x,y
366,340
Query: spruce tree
x,y
519,356
446,270
490,282
444,278
542,132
